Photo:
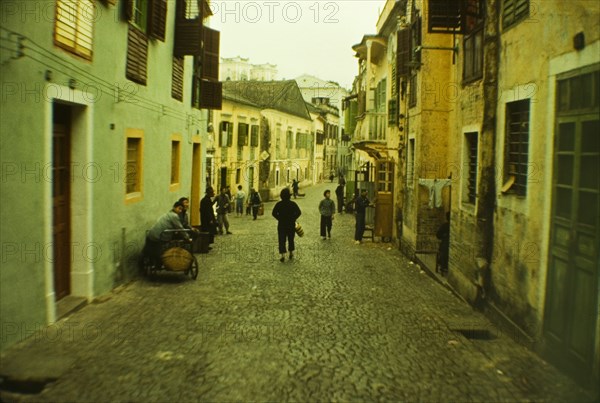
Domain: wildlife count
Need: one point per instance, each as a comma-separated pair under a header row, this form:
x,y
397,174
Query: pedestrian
x,y
327,210
255,202
342,180
228,191
240,196
286,212
339,193
208,221
331,176
295,186
156,239
360,207
184,218
443,234
223,206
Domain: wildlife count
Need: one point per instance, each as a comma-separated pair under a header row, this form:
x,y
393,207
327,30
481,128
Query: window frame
x,y
136,194
516,162
175,177
471,165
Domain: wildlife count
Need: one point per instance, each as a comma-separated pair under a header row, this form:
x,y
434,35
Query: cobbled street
x,y
341,322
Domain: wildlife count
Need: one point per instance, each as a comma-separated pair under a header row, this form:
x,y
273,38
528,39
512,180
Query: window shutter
x,y
128,9
137,55
158,19
210,60
73,29
177,78
403,53
229,134
211,94
446,16
188,31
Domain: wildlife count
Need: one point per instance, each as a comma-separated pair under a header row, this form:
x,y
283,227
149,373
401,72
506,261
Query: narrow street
x,y
341,322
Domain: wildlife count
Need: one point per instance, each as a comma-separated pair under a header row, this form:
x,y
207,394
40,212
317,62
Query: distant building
x,y
240,69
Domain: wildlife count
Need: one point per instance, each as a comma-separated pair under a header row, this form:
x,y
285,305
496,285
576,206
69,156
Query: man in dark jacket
x,y
208,222
339,193
360,205
286,212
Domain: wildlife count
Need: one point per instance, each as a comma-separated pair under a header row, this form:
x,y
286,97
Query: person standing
x,y
327,210
255,202
360,207
223,206
208,222
295,186
443,234
339,193
240,196
286,212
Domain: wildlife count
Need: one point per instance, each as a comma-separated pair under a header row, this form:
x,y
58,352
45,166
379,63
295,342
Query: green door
x,y
573,273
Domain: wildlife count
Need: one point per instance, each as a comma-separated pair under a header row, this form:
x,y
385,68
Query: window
x,y
514,11
473,45
133,165
242,134
320,137
289,140
254,136
140,14
175,158
471,146
579,94
517,145
225,134
238,175
74,26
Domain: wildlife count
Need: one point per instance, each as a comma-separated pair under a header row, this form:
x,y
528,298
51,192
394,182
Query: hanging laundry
x,y
435,186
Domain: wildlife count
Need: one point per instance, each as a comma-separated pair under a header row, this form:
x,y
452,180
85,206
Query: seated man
x,y
154,240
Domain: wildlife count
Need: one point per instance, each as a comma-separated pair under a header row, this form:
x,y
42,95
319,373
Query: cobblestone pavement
x,y
341,322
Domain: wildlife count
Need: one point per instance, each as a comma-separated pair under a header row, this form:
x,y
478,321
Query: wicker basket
x,y
177,259
299,230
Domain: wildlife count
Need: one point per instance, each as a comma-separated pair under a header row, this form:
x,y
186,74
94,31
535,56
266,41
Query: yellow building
x,y
263,137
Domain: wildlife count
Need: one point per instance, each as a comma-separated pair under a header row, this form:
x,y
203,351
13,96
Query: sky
x,y
303,36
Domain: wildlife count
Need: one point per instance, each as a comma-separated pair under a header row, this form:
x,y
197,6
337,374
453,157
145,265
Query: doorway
x,y
61,199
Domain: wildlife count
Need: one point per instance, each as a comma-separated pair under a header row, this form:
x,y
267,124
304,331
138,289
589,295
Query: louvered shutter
x,y
73,29
403,52
177,78
210,56
158,19
446,16
137,55
128,9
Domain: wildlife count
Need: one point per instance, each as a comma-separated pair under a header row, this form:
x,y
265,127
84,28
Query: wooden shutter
x,y
403,52
229,133
128,9
210,56
188,32
137,55
446,16
177,78
74,26
157,19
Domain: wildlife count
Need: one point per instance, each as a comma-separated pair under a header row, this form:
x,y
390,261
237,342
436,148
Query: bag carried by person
x,y
261,209
299,230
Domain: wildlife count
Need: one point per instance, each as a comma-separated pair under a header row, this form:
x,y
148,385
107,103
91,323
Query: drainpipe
x,y
487,185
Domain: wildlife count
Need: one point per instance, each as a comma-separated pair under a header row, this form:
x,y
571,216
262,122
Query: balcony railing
x,y
372,127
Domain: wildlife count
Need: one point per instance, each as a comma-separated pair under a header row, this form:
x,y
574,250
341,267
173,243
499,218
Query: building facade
x,y
265,137
497,113
98,148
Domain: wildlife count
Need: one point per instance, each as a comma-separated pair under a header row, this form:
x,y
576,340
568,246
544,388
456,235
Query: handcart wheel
x,y
193,271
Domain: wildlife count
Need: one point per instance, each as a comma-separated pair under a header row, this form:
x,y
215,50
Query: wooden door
x,y
384,207
573,273
195,195
61,200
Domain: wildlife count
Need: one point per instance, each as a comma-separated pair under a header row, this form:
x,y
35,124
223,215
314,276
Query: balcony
x,y
371,127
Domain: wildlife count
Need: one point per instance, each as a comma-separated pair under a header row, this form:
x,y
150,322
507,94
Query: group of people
x,y
219,224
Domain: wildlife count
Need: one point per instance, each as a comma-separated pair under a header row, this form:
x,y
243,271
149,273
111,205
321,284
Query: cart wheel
x,y
193,270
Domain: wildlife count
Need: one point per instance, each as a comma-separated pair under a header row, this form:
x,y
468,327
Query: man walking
x,y
223,205
339,193
327,209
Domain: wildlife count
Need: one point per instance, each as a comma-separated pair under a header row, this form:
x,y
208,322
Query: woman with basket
x,y
286,212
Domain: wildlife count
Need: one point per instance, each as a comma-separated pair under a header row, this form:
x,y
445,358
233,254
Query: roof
x,y
283,96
